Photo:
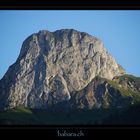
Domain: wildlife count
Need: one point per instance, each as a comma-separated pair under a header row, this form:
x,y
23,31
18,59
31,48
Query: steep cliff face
x,y
53,67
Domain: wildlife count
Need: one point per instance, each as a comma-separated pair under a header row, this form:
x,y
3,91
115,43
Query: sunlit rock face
x,y
54,65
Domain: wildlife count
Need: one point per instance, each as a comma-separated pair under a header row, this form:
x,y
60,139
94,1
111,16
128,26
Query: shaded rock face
x,y
52,66
99,93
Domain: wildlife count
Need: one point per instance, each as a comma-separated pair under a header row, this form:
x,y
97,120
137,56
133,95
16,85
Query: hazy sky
x,y
119,30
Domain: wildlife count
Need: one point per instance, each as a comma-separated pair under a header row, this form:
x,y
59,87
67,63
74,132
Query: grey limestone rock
x,y
53,65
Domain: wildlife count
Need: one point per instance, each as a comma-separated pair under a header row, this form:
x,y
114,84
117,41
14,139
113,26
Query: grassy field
x,y
24,116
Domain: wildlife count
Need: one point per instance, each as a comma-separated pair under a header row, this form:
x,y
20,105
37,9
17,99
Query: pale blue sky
x,y
119,30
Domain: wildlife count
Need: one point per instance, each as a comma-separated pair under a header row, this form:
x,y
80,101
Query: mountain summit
x,y
65,66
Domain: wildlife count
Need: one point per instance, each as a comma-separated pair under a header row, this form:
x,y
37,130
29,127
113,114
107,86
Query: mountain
x,y
67,70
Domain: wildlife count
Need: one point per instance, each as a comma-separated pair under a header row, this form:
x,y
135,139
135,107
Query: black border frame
x,y
51,130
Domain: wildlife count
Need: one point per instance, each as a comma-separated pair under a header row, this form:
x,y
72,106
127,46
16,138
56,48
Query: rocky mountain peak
x,y
52,65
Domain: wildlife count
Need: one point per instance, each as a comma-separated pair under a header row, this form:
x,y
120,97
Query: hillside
x,y
107,115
